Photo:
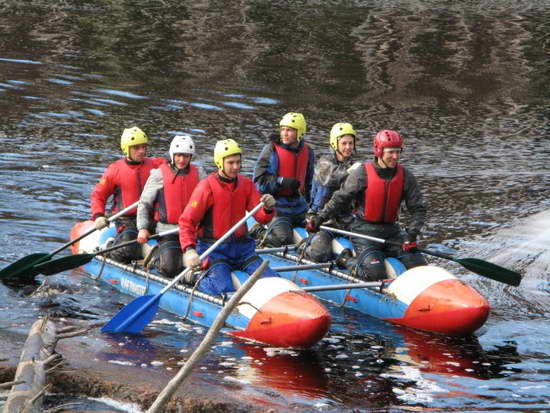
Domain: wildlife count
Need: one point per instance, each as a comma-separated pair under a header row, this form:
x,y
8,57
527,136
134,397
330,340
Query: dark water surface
x,y
466,83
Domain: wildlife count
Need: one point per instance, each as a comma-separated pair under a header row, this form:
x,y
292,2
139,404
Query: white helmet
x,y
181,144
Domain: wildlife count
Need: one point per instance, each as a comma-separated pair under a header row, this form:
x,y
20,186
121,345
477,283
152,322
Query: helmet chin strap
x,y
222,173
131,161
344,157
380,160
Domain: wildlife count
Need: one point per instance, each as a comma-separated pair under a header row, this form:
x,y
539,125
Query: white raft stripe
x,y
413,282
262,292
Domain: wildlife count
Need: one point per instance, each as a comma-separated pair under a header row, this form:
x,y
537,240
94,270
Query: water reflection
x,y
383,365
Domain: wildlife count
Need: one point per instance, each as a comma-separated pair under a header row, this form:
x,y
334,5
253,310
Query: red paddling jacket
x,y
292,165
382,196
215,206
175,193
124,180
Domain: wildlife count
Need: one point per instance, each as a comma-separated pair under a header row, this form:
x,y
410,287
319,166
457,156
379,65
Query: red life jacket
x,y
382,196
292,165
131,182
175,193
229,207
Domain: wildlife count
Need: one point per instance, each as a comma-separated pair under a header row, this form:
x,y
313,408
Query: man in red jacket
x,y
124,181
216,205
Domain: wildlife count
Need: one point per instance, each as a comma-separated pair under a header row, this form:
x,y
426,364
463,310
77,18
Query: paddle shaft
x,y
481,267
30,262
176,230
110,219
78,260
132,241
214,246
154,299
384,241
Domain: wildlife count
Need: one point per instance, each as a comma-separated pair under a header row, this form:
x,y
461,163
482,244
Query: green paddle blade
x,y
490,270
63,264
24,266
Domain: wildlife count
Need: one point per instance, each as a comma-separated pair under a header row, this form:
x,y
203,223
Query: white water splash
x,y
125,407
122,363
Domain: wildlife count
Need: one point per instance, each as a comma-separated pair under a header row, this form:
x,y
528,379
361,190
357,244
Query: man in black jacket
x,y
379,188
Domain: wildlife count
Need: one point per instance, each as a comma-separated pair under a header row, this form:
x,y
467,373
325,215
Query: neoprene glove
x,y
191,258
313,223
410,243
100,222
268,200
290,183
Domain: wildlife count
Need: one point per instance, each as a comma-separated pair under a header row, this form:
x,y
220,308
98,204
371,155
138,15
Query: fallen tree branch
x,y
165,395
11,383
73,334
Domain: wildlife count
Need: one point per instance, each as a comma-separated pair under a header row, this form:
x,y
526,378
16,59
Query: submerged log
x,y
30,377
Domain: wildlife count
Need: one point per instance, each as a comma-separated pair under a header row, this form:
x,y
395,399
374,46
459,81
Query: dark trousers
x,y
229,256
280,230
168,259
319,248
369,263
126,231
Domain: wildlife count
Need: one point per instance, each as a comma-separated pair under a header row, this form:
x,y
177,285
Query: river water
x,y
466,83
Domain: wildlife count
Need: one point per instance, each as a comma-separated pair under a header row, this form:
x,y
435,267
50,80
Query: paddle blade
x,y
135,316
24,265
490,270
63,264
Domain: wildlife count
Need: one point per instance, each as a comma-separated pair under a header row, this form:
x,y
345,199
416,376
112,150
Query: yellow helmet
x,y
223,149
296,121
130,137
338,130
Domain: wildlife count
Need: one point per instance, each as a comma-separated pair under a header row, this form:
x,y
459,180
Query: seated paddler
x,y
284,169
381,186
123,182
216,205
331,171
164,197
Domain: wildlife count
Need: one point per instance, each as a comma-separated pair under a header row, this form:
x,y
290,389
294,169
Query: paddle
x,y
139,312
483,268
28,262
77,260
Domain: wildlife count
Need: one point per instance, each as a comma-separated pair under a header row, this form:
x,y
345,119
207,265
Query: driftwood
x,y
10,383
26,396
165,395
29,384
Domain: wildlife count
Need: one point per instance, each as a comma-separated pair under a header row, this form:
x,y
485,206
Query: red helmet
x,y
386,139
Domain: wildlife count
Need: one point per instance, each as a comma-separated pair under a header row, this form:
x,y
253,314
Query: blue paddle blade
x,y
23,265
135,316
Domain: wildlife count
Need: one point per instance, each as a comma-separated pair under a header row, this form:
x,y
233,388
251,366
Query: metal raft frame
x,y
181,300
